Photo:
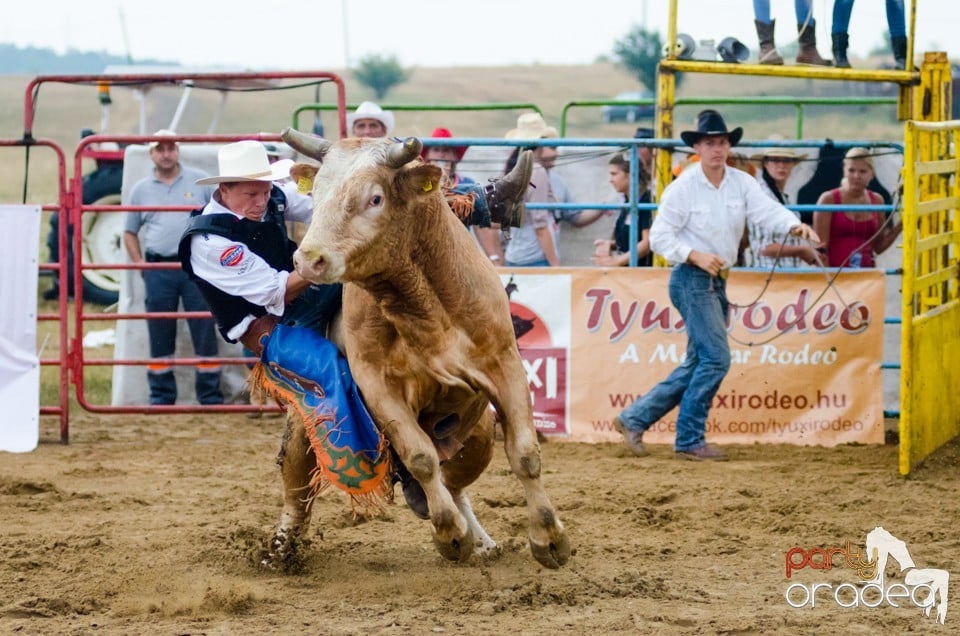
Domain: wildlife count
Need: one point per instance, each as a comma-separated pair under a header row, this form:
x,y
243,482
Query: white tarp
x,y
19,362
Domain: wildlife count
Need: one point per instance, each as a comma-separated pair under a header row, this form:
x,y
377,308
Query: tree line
x,y
30,60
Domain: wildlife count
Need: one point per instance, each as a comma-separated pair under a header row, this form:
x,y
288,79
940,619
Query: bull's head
x,y
364,193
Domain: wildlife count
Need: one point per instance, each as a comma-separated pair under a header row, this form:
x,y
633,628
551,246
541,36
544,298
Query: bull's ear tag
x,y
427,185
304,185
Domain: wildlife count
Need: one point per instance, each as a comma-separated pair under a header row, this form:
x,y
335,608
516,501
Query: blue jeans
x,y
761,10
165,288
540,263
480,215
702,302
895,20
315,308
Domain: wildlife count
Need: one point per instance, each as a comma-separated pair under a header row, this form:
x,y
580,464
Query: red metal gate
x,y
71,360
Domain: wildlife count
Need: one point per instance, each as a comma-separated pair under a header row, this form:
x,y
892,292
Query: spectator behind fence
x,y
841,38
369,120
158,234
700,219
535,243
469,200
767,248
547,157
850,238
645,153
495,205
806,33
616,252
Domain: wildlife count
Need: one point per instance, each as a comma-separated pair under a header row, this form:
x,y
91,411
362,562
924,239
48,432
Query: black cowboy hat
x,y
710,123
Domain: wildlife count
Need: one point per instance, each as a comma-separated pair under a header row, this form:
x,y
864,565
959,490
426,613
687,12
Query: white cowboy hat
x,y
161,133
369,110
531,126
246,161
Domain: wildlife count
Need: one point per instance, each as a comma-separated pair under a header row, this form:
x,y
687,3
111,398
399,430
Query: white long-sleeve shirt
x,y
233,268
693,214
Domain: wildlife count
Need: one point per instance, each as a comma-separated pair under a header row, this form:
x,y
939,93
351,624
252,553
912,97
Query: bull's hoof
x,y
552,554
456,549
285,553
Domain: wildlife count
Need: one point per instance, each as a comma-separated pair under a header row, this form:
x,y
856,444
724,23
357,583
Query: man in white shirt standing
x,y
700,219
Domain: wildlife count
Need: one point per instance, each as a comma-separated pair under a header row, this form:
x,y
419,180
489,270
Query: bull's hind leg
x,y
296,460
483,544
464,468
548,539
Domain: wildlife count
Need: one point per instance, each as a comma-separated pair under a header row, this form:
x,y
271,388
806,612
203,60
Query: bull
x,y
427,331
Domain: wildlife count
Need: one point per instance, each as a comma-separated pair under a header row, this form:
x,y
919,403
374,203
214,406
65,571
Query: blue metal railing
x,y
631,146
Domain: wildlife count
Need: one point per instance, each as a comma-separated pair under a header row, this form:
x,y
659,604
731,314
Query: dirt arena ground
x,y
146,525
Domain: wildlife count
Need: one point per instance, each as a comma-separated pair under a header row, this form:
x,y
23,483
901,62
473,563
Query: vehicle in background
x,y
103,233
629,112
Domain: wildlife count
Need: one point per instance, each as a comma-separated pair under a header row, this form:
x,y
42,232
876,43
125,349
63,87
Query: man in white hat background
x,y
369,120
499,203
700,219
767,248
153,237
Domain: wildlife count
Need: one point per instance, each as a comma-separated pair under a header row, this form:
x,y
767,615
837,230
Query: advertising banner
x,y
805,350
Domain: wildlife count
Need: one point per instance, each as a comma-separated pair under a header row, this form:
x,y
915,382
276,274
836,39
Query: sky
x,y
335,34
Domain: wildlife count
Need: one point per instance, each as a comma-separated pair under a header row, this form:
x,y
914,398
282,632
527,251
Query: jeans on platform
x,y
895,18
702,302
761,10
164,290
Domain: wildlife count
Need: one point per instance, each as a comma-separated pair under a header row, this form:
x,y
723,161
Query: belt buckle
x,y
724,273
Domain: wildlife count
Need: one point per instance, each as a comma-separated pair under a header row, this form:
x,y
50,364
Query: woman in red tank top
x,y
845,235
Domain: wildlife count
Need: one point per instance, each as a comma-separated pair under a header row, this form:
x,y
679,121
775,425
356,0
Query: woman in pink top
x,y
847,235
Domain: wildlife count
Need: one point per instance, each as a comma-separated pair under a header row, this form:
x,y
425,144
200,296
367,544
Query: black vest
x,y
267,239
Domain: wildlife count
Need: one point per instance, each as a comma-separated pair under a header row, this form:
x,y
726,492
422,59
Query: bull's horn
x,y
313,147
403,152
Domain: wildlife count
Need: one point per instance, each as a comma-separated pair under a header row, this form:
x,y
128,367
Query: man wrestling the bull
x,y
237,250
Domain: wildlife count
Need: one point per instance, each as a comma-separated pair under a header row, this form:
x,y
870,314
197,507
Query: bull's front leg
x,y
548,539
296,460
451,532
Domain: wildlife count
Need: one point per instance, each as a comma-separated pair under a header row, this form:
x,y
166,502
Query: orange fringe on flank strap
x,y
461,204
367,484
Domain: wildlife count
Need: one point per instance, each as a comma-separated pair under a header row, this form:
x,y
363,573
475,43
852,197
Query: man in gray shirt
x,y
153,237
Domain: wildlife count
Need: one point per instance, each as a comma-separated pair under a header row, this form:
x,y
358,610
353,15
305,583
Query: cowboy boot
x,y
899,46
808,53
412,490
768,50
840,43
505,195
